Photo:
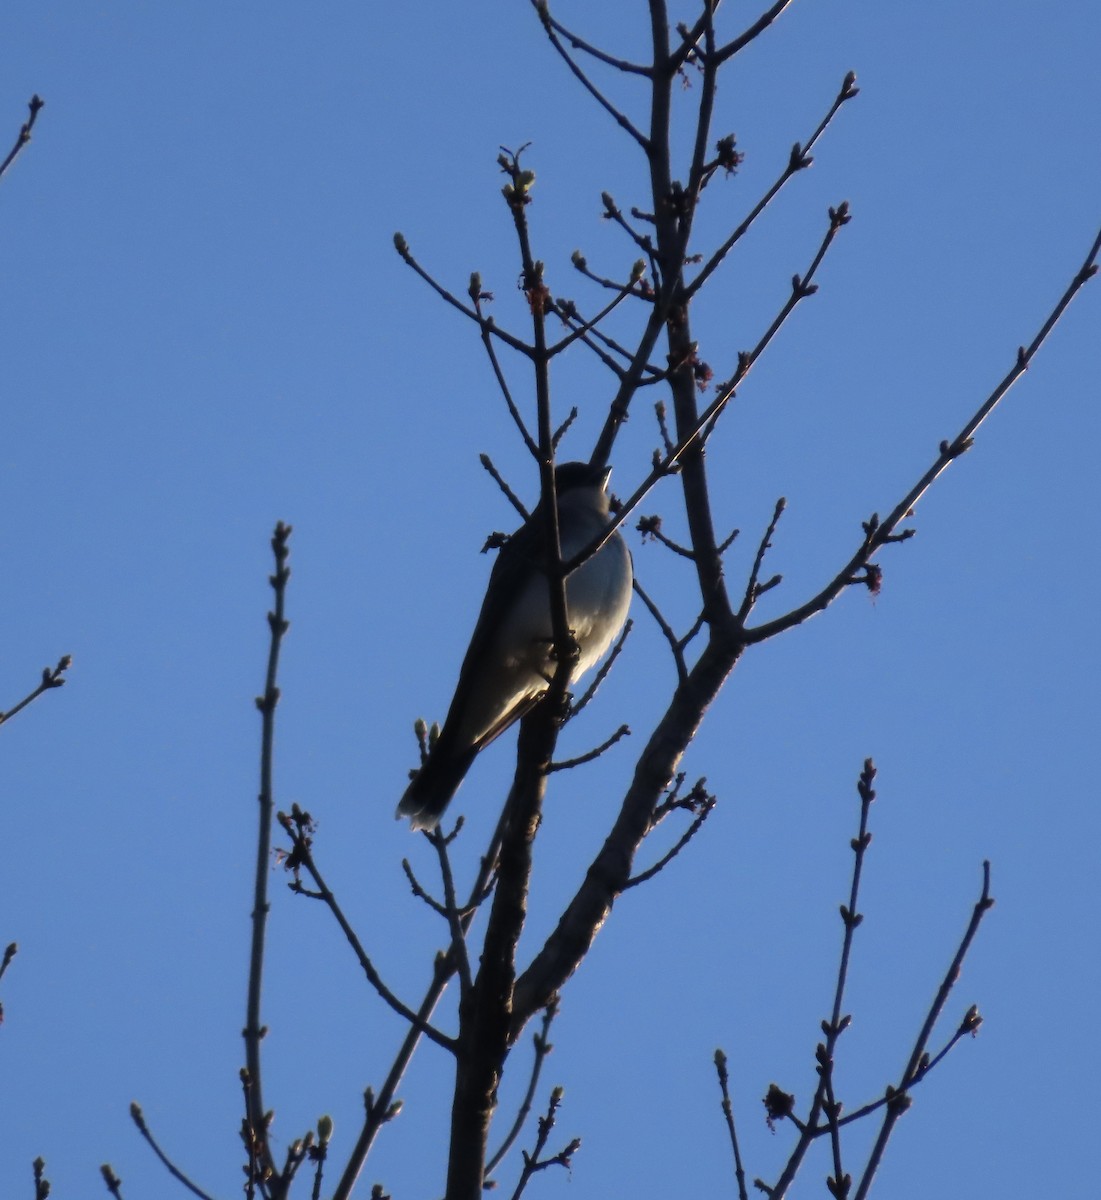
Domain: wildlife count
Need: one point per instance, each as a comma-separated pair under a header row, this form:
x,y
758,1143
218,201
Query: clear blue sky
x,y
206,329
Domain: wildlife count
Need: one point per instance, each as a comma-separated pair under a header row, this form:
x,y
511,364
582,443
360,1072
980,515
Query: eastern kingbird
x,y
511,654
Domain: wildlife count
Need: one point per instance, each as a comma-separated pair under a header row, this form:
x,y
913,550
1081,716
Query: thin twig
x,y
532,1161
452,911
543,1047
138,1118
585,327
620,119
51,678
728,1113
41,1183
35,104
9,953
620,64
301,857
483,322
443,970
755,30
487,325
879,533
666,629
254,1031
567,764
967,1027
705,811
898,1099
801,289
752,590
114,1184
510,495
798,160
651,527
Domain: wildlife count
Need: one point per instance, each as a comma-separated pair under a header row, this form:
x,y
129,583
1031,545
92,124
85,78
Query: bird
x,y
511,655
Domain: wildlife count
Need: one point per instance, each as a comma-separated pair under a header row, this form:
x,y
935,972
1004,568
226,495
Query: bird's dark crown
x,y
568,476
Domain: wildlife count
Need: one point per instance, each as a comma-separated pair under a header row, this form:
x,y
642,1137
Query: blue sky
x,y
206,329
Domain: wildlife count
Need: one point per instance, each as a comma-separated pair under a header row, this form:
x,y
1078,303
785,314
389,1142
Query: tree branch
x,y
254,1031
877,533
798,160
51,678
35,105
620,118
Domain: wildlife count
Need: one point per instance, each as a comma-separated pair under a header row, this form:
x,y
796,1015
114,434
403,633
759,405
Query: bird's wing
x,y
515,560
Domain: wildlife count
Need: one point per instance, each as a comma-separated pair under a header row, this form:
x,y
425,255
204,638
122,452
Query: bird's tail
x,y
431,789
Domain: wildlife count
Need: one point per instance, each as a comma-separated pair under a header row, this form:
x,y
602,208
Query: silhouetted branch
x,y
254,1031
755,30
532,1162
879,533
752,590
138,1118
452,911
41,1183
667,632
487,329
543,1047
620,118
567,764
297,827
801,289
620,64
486,324
510,495
114,1184
381,1109
51,678
897,1098
35,105
728,1114
798,160
706,806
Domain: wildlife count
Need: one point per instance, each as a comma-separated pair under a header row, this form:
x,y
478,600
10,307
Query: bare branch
x,y
543,1047
379,1111
51,678
620,64
532,1161
138,1118
567,764
254,1031
878,533
620,119
650,527
297,827
114,1184
705,811
35,105
897,1098
755,30
510,495
486,324
451,909
477,296
628,289
674,643
798,160
728,1113
753,590
801,289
